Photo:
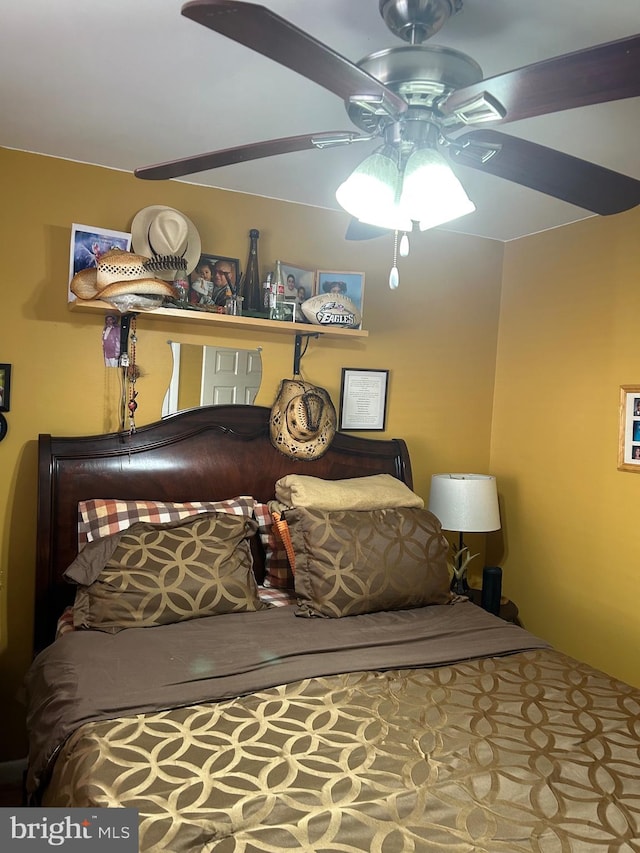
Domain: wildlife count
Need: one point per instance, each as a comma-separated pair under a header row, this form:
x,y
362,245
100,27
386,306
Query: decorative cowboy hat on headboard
x,y
303,420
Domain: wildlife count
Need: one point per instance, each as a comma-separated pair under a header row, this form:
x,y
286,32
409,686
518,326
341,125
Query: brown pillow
x,y
162,573
350,562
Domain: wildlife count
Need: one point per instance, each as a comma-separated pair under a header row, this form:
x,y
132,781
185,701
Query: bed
x,y
393,718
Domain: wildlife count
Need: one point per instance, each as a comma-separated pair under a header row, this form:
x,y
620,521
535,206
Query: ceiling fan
x,y
415,96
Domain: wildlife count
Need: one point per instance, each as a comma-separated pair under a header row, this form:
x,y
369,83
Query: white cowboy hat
x,y
303,420
121,279
160,232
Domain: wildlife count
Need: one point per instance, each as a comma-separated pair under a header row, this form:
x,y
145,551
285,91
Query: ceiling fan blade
x,y
568,178
357,230
241,154
595,75
262,30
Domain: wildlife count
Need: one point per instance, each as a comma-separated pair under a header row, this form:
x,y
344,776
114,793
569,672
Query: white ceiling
x,y
127,83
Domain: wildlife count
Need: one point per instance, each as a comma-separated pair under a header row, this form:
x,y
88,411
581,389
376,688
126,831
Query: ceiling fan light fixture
x,y
370,193
431,193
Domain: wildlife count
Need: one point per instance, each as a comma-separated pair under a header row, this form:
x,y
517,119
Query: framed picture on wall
x,y
629,436
5,387
363,399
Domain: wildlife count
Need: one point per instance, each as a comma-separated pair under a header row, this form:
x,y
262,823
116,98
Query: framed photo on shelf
x,y
88,244
363,399
212,278
5,387
629,437
299,283
288,310
349,284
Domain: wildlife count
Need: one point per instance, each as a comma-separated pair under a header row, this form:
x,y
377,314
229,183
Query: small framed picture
x,y
350,284
288,311
363,399
299,283
213,280
88,244
629,437
5,387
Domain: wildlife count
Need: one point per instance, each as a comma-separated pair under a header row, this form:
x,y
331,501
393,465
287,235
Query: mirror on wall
x,y
207,376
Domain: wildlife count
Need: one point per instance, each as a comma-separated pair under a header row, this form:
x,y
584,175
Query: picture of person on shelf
x,y
301,296
636,407
636,452
337,287
201,292
290,288
224,282
213,283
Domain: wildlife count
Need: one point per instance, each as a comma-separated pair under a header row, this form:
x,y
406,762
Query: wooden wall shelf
x,y
245,323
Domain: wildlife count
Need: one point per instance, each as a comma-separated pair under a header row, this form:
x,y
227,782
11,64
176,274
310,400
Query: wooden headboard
x,y
209,453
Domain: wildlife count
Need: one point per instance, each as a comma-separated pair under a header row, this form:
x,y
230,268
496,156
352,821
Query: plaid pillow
x,y
278,574
65,622
277,597
100,518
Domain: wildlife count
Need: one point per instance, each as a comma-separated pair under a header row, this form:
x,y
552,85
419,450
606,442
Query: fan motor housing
x,y
421,75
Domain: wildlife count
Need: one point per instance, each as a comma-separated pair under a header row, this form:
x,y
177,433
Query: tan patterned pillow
x,y
352,562
156,574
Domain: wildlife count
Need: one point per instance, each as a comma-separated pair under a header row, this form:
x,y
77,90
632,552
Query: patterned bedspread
x,y
524,751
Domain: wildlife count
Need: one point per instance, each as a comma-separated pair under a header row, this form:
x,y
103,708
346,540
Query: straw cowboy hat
x,y
303,420
121,279
161,232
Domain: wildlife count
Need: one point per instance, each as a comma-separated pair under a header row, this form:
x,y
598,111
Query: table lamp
x,y
465,503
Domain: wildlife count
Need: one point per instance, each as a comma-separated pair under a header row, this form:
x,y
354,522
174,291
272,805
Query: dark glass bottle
x,y
252,287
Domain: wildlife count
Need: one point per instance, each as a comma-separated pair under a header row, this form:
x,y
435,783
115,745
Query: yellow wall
x,y
437,334
568,339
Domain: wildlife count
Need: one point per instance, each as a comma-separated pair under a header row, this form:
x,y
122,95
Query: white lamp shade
x,y
467,503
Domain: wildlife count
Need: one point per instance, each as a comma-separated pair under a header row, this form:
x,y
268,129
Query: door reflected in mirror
x,y
208,376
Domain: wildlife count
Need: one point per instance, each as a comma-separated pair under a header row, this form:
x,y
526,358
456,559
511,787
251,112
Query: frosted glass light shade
x,y
431,193
370,193
467,503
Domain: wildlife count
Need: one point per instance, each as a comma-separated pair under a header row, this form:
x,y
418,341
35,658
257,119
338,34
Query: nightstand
x,y
508,610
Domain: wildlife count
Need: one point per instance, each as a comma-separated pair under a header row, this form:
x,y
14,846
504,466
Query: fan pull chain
x,y
394,275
